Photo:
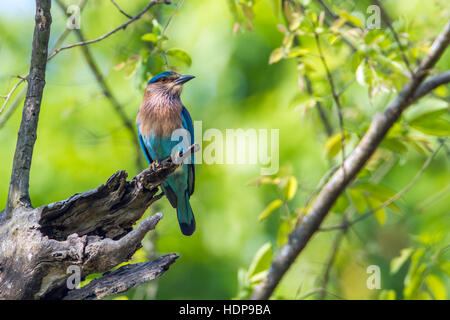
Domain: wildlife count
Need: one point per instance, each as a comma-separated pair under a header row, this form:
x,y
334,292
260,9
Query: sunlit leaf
x,y
261,261
387,295
399,261
435,127
436,286
290,188
275,204
283,232
180,55
350,18
150,37
297,52
276,56
258,277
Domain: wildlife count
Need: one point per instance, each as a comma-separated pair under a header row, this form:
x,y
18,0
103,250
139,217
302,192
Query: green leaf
x,y
358,200
387,295
290,188
258,277
377,191
429,108
283,232
275,204
180,55
297,52
261,260
432,126
362,73
150,37
380,214
436,286
333,145
399,261
350,18
413,278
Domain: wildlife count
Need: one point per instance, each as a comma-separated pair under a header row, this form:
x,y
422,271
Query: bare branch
x,y
12,108
18,190
333,15
121,11
92,230
378,129
431,84
123,279
122,27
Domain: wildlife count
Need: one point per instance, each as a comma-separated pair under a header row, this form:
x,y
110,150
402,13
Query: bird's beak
x,y
184,79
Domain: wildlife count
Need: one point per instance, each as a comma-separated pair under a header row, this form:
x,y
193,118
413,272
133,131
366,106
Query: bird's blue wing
x,y
188,125
144,148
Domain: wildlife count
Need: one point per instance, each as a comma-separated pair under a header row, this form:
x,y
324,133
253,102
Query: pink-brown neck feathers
x,y
160,112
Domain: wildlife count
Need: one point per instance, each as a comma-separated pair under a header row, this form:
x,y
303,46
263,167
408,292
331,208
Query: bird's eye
x,y
164,79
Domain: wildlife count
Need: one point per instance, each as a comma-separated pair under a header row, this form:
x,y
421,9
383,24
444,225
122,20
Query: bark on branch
x,y
378,129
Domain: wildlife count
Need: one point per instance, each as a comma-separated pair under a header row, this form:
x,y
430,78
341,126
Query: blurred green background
x,y
81,142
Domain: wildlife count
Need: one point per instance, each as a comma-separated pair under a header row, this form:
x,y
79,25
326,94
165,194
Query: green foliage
x,y
253,79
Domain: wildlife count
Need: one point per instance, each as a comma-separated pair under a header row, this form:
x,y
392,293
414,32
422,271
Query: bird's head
x,y
168,83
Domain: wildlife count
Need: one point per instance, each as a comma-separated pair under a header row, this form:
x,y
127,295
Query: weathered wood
x,y
123,279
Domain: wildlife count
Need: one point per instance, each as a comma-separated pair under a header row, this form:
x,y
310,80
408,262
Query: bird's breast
x,y
159,119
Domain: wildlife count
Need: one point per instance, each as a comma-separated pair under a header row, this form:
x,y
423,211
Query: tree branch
x,y
118,108
18,190
378,129
431,84
123,279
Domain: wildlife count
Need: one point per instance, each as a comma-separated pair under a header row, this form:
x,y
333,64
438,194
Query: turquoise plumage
x,y
160,114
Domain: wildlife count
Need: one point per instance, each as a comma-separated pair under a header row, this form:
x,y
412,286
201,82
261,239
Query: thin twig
x,y
121,11
10,93
335,97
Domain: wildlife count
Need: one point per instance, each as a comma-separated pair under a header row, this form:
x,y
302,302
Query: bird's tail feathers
x,y
185,215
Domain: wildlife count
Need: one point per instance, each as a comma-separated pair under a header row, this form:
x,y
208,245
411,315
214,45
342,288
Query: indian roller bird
x,y
160,114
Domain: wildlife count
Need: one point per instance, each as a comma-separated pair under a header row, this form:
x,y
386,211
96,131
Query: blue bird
x,y
160,114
